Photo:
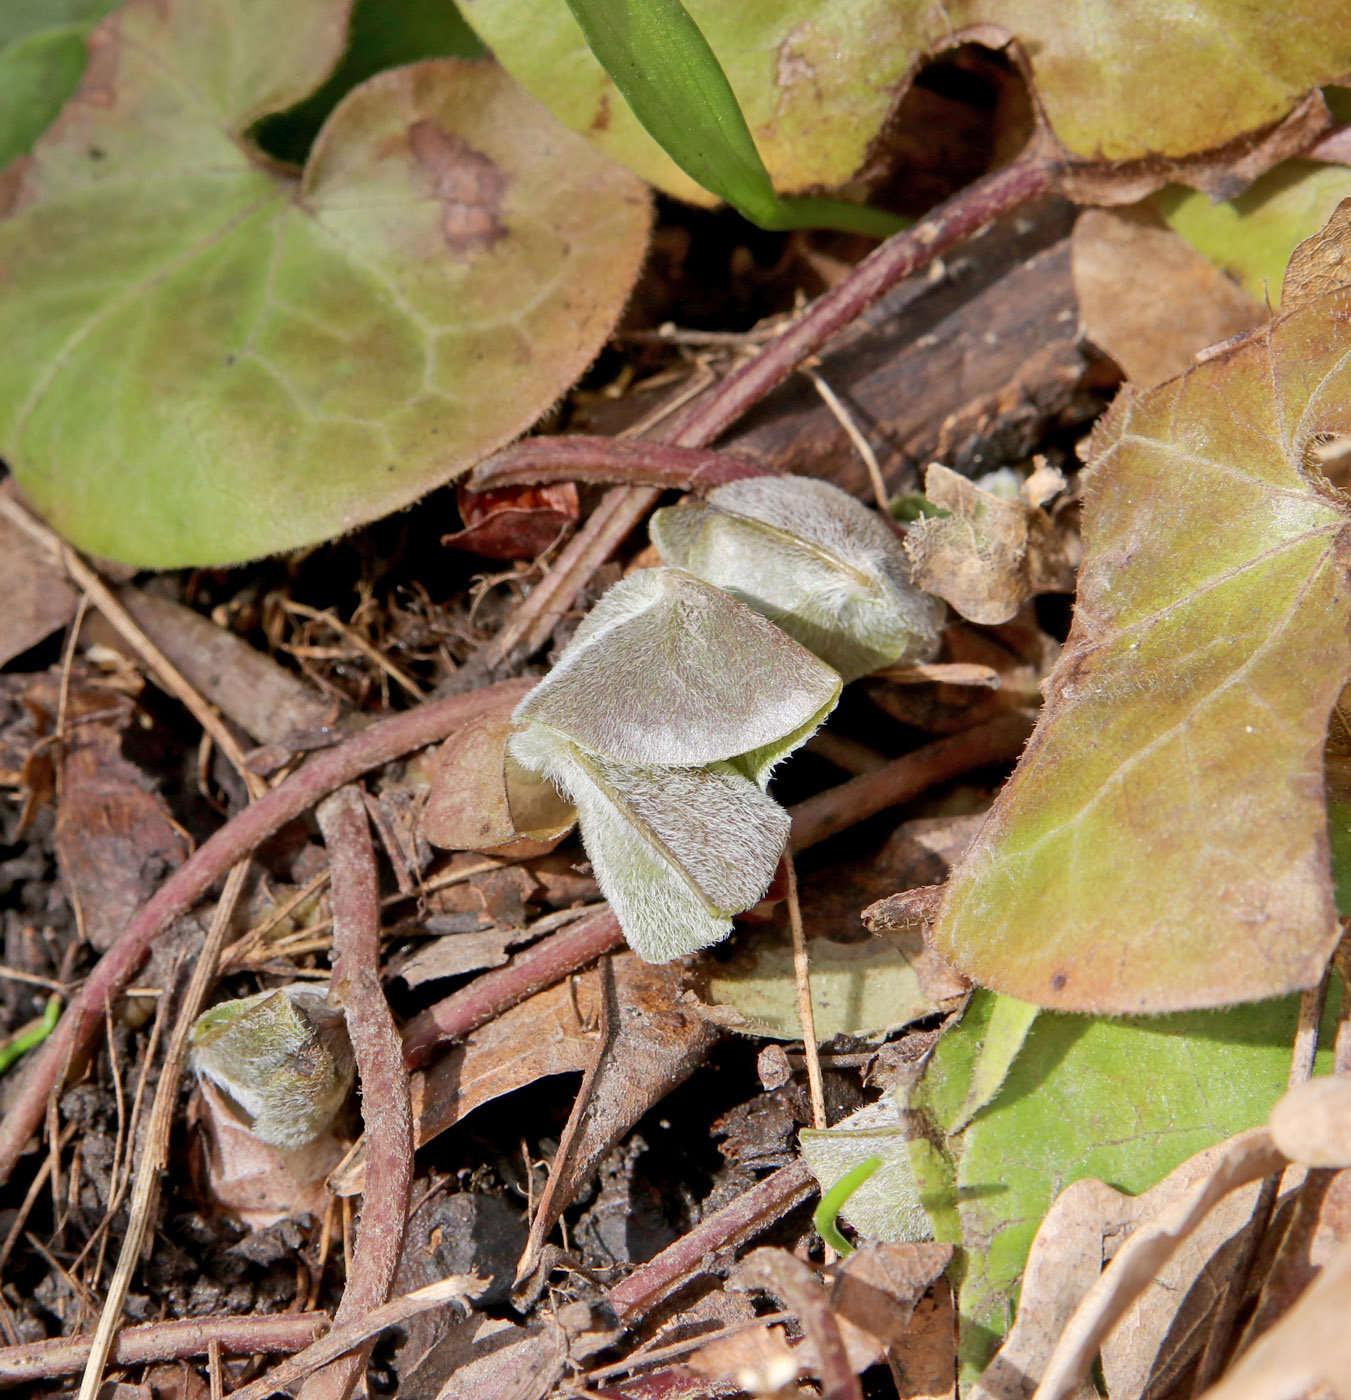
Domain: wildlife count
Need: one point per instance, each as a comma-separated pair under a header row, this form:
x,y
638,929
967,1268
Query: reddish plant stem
x,y
753,1211
906,777
550,960
381,743
165,1341
623,461
902,255
386,1098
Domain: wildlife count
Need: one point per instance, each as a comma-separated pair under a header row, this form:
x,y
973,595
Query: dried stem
x,y
623,461
386,1100
753,1211
165,672
811,1051
381,743
155,1149
165,1341
904,778
902,255
550,960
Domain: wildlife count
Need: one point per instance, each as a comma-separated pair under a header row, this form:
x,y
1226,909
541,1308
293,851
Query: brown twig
x,y
166,674
155,1148
902,255
753,1211
386,1100
621,461
904,778
165,1341
811,1051
456,1288
381,743
487,996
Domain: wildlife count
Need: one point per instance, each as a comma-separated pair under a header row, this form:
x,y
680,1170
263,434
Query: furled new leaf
x,y
1163,843
812,559
1125,1100
204,359
667,670
676,851
283,1057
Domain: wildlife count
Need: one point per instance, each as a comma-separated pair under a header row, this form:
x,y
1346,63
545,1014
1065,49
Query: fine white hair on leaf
x,y
669,670
676,851
813,560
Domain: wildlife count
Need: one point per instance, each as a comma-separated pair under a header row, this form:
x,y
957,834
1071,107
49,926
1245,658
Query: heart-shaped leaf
x,y
812,559
1163,843
676,851
818,79
203,358
668,670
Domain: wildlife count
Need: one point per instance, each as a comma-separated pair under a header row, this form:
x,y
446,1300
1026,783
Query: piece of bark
x,y
265,700
971,366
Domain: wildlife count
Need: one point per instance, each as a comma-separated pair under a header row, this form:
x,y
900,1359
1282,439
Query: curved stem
x,y
381,743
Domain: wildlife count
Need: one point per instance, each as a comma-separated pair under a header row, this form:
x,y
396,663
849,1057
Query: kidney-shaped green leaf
x,y
203,359
818,79
1163,843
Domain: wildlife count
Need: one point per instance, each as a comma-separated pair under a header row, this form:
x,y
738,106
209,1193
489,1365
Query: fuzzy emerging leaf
x,y
676,851
283,1057
812,559
668,671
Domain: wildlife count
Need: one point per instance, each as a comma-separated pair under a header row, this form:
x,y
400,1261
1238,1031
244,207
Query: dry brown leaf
x,y
38,596
552,1032
1320,264
482,800
654,1044
1310,1347
875,1292
250,1180
115,840
1148,298
1243,1159
1312,1123
760,1361
1320,1225
987,556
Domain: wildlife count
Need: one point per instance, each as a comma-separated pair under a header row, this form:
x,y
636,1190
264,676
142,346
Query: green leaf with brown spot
x,y
1163,844
818,79
204,359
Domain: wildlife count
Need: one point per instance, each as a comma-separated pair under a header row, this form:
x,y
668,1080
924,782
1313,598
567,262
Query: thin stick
x,y
753,1211
165,1341
166,674
623,461
456,1288
360,643
855,435
1219,1349
805,1013
487,996
904,778
375,746
386,1100
902,255
155,1151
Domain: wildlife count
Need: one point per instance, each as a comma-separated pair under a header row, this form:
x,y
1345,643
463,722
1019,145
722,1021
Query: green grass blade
x,y
660,61
835,1199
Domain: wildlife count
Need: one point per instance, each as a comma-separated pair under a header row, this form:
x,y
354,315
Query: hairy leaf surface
x,y
1163,843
